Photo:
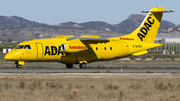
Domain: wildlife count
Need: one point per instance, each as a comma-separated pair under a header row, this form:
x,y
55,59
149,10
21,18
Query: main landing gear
x,y
81,65
69,65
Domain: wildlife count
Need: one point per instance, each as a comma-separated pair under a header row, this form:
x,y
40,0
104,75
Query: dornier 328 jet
x,y
89,48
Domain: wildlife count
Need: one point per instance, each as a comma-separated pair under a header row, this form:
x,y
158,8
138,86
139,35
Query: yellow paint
x,y
86,51
21,62
140,53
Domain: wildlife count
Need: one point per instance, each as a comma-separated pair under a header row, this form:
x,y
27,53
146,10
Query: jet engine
x,y
72,48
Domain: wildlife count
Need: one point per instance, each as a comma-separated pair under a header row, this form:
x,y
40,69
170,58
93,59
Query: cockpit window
x,y
19,47
27,47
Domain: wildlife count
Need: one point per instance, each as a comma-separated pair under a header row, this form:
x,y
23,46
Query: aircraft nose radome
x,y
7,57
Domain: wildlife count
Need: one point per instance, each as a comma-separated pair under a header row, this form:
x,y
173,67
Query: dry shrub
x,y
70,86
7,86
53,84
36,84
79,86
136,86
19,78
73,94
1,88
120,97
92,87
146,93
111,96
162,86
58,100
112,86
21,83
7,95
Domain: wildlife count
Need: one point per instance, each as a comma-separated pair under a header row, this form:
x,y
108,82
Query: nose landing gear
x,y
19,64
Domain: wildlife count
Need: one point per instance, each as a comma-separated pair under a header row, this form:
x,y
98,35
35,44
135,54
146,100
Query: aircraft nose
x,y
7,57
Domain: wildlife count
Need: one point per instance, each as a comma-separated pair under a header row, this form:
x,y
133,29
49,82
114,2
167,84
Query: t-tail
x,y
148,29
142,39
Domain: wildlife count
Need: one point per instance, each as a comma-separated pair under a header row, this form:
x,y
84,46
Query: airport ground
x,y
94,86
89,87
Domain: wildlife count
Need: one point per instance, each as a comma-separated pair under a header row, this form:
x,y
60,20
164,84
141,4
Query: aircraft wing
x,y
89,39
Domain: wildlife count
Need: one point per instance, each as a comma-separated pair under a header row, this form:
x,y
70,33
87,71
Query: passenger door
x,y
39,50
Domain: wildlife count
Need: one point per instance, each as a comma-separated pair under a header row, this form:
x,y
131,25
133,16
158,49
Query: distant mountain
x,y
126,26
6,21
134,20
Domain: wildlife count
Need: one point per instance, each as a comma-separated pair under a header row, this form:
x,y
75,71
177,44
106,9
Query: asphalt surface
x,y
96,70
60,70
97,64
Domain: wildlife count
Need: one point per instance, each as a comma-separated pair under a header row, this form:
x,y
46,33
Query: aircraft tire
x,y
69,65
18,66
82,65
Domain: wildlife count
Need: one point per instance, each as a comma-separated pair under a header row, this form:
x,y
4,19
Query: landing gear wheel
x,y
18,66
82,65
69,65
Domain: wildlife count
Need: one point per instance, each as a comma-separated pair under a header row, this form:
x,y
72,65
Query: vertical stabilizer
x,y
148,29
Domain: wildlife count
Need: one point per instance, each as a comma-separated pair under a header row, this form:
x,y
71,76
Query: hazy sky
x,y
110,11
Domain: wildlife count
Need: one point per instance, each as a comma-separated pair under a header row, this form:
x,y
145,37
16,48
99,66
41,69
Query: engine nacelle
x,y
72,48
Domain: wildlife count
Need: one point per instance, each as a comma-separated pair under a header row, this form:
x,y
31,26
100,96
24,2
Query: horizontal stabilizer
x,y
141,53
157,11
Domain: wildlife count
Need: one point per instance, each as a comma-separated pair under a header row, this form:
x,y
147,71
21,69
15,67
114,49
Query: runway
x,y
97,64
77,70
93,70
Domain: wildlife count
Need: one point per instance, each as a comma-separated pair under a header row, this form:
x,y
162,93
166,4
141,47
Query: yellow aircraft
x,y
89,48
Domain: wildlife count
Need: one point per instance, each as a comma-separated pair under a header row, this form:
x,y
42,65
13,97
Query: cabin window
x,y
104,48
19,47
27,47
90,50
110,48
96,48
